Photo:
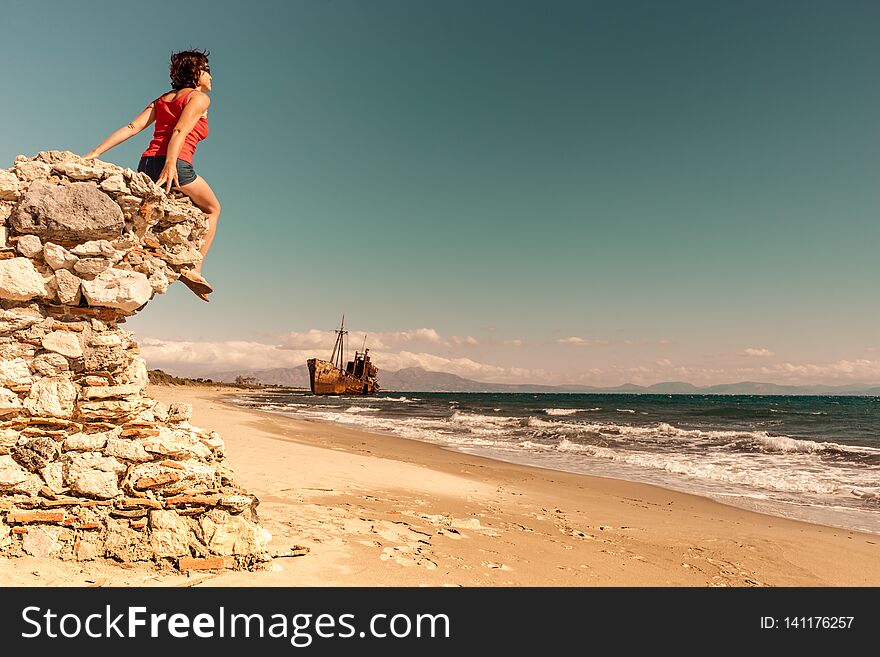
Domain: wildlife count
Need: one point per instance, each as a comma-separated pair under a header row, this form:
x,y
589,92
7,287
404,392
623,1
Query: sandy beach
x,y
377,510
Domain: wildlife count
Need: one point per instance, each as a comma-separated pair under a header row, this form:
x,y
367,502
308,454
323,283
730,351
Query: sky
x,y
555,192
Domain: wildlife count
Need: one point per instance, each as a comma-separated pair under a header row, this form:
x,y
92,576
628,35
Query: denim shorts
x,y
152,165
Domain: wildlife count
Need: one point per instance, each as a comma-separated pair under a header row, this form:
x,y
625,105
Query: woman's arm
x,y
196,105
143,119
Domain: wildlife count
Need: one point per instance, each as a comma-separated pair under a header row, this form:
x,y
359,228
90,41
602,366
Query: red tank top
x,y
167,115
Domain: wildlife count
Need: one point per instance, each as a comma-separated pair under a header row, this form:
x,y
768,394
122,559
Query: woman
x,y
181,117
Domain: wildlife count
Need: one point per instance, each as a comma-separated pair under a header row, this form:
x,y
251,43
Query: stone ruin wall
x,y
90,466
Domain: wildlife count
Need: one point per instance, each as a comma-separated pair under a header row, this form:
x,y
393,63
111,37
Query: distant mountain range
x,y
417,379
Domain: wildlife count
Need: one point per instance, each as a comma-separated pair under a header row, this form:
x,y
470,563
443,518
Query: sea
x,y
813,458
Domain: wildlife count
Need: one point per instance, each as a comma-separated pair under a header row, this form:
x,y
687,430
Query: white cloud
x,y
841,370
414,335
760,353
665,362
580,341
201,357
457,339
465,367
513,343
311,339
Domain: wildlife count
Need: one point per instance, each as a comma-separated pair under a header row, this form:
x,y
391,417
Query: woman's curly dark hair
x,y
186,67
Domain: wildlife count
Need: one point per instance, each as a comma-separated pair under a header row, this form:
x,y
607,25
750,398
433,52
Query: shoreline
x,y
382,510
838,517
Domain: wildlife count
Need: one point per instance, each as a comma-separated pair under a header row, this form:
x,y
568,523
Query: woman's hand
x,y
169,176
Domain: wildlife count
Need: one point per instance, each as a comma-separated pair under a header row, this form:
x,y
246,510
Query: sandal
x,y
196,282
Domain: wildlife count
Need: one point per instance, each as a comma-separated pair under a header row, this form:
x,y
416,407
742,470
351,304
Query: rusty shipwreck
x,y
328,377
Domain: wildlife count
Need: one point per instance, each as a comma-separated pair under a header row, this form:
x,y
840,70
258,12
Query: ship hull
x,y
326,379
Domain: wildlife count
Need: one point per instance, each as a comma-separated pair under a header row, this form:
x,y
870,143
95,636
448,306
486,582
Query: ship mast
x,y
338,355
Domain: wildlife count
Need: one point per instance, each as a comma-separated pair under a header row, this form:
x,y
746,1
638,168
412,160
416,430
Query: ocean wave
x,y
780,479
560,411
767,443
624,410
362,409
482,424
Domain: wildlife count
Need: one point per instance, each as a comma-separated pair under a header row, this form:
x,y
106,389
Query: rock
x,y
136,373
53,157
29,246
68,285
105,392
57,257
10,404
105,340
238,503
142,185
187,475
9,185
88,268
53,475
160,410
50,364
11,473
76,171
125,544
90,461
179,412
114,409
159,282
177,444
15,374
10,350
65,343
6,208
179,254
53,396
16,319
117,288
169,534
89,442
115,184
130,205
42,541
75,419
89,546
29,171
105,359
177,234
20,280
94,483
225,534
128,450
35,454
97,249
78,212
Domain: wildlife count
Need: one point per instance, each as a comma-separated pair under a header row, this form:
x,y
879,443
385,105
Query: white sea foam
x,y
624,410
560,411
769,476
362,409
784,444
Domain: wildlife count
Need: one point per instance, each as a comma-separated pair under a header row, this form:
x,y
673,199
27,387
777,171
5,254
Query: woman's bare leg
x,y
202,195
